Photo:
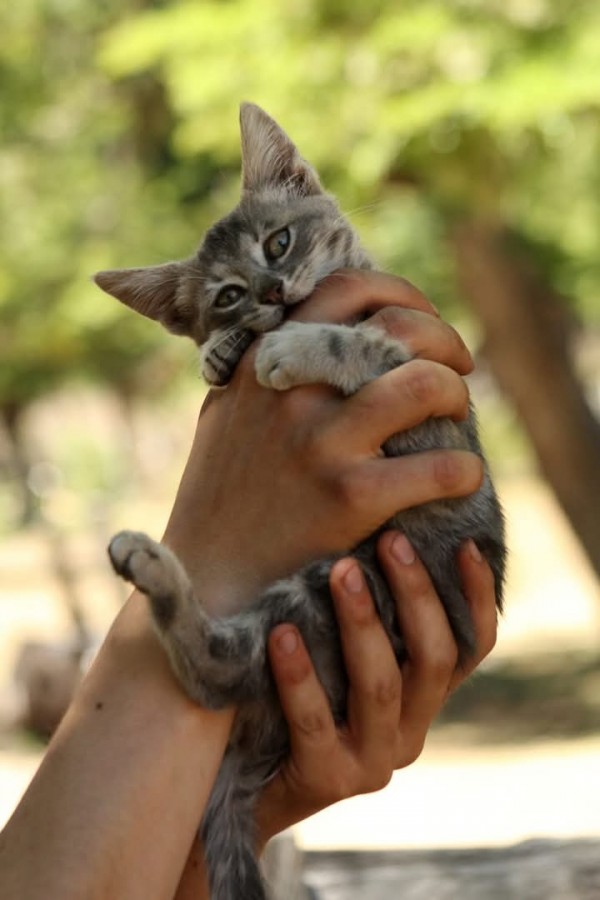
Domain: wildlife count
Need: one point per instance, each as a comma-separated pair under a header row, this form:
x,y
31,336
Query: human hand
x,y
390,708
275,479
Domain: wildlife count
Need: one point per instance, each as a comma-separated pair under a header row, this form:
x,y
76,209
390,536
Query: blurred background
x,y
462,137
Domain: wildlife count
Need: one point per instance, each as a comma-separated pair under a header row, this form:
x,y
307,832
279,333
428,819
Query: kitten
x,y
285,236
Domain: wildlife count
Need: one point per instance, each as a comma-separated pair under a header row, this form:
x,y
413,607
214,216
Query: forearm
x,y
115,805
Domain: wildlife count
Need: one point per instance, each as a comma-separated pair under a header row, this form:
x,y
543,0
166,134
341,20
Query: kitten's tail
x,y
228,834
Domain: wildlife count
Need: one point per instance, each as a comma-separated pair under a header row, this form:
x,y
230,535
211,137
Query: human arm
x,y
108,813
320,482
116,803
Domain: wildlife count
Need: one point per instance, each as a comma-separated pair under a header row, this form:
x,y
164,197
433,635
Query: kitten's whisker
x,y
348,213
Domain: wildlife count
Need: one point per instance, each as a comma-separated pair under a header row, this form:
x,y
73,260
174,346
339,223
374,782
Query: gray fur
x,y
223,661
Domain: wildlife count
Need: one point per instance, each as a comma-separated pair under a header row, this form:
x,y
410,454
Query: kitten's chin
x,y
295,298
267,319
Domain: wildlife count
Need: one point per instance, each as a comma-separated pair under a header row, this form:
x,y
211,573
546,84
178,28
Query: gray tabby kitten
x,y
284,237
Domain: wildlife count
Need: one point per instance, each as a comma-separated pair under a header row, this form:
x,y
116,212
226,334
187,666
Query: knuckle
x,y
448,471
421,380
439,666
381,394
294,406
385,692
311,440
350,489
392,320
311,725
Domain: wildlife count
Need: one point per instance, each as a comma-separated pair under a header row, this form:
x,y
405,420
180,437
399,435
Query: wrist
x,y
221,579
132,670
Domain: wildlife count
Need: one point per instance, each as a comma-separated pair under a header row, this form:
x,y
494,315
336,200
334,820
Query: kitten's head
x,y
285,235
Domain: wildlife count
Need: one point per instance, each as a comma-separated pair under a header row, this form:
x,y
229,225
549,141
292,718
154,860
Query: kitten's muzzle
x,y
272,292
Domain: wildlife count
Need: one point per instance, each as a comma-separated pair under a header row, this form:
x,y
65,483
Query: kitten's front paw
x,y
143,562
279,363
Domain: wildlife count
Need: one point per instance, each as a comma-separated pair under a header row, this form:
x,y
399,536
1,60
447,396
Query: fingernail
x,y
353,580
402,550
474,551
287,643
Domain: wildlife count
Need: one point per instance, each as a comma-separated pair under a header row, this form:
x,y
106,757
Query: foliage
x,y
120,144
70,188
422,108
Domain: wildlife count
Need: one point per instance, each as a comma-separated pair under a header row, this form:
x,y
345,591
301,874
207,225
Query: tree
x,y
473,119
464,134
76,184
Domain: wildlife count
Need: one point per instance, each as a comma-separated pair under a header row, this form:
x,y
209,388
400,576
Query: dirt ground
x,y
516,755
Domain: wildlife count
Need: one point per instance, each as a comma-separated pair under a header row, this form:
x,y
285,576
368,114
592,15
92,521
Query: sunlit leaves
x,y
120,143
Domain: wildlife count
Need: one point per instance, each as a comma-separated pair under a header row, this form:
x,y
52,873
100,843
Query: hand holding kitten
x,y
310,449
390,709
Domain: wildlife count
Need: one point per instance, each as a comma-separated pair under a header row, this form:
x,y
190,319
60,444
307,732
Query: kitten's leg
x,y
213,659
221,354
155,571
313,353
218,662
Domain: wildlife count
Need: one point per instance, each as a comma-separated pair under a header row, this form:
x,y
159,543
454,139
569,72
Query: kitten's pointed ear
x,y
150,291
270,158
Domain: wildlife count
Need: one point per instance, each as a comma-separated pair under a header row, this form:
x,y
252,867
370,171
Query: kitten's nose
x,y
272,292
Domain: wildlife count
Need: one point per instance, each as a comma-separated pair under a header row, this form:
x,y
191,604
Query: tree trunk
x,y
11,415
527,328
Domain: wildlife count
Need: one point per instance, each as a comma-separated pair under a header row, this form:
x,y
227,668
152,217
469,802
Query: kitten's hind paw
x,y
153,569
131,554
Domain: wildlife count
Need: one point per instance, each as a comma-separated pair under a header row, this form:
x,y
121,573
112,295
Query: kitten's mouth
x,y
268,318
301,292
293,300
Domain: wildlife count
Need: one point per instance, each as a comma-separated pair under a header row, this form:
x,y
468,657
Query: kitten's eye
x,y
276,245
229,296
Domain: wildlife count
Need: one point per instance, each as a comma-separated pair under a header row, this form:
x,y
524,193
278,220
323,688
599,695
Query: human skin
x,y
320,481
115,806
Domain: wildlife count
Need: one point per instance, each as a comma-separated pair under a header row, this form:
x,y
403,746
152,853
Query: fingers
x,y
348,293
389,710
430,645
312,777
327,764
480,594
377,488
431,671
375,695
303,700
401,399
424,336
